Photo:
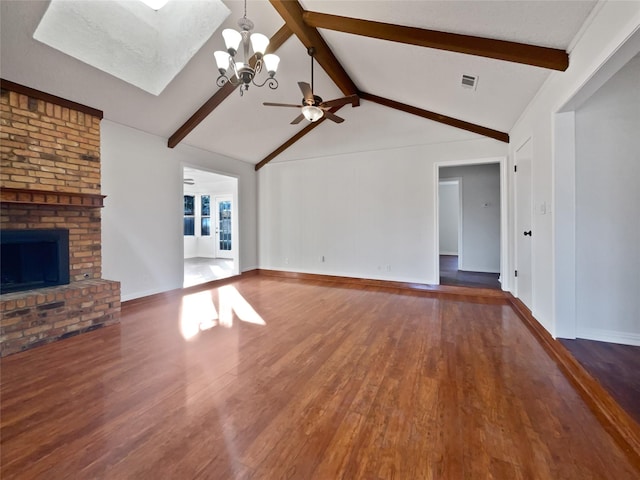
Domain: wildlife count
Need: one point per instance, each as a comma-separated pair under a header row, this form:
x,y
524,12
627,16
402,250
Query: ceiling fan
x,y
313,107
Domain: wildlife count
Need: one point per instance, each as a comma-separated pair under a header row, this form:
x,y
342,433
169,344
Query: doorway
x,y
210,226
470,223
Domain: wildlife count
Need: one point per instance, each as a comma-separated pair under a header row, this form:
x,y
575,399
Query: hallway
x,y
450,275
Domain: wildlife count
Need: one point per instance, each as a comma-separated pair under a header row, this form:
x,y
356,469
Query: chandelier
x,y
243,73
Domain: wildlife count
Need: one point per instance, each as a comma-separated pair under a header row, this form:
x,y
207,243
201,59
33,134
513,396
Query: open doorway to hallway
x,y
469,225
596,226
210,226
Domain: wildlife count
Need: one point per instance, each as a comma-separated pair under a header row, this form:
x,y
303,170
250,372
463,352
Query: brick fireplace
x,y
50,179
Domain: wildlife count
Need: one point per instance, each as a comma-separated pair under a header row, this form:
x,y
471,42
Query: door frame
x,y
504,258
458,182
235,215
516,226
564,158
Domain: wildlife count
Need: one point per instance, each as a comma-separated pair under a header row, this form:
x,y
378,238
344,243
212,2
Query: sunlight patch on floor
x,y
198,311
231,299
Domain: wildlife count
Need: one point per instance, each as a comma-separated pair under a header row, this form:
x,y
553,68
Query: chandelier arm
x,y
232,65
258,66
222,79
270,81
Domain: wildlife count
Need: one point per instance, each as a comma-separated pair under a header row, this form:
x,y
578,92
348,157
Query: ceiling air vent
x,y
469,81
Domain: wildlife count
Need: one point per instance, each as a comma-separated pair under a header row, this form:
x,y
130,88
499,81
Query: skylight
x,y
127,39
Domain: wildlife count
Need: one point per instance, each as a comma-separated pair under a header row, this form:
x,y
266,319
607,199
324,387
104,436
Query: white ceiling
x,y
204,181
244,129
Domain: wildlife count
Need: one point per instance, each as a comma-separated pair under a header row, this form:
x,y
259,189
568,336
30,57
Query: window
x,y
189,215
205,220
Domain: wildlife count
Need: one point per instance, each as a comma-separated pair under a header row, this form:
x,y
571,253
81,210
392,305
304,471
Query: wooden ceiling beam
x,y
293,140
436,117
544,57
292,13
276,41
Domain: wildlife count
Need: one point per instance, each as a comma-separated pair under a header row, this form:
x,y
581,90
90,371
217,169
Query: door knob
x,y
527,234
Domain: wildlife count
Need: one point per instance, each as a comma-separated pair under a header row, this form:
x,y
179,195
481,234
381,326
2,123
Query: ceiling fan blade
x,y
306,91
271,104
333,117
354,100
297,120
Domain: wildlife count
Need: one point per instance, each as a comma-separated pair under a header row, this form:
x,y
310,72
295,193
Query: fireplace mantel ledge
x,y
45,197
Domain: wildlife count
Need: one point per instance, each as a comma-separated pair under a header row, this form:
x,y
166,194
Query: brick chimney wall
x,y
50,178
49,148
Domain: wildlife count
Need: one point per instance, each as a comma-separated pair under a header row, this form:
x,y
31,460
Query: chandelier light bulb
x,y
223,60
232,39
259,43
271,62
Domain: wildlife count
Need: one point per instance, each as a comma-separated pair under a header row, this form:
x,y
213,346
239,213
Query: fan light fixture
x,y
155,4
313,108
243,73
312,113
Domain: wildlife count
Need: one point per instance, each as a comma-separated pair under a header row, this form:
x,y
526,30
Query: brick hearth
x,y
41,316
50,178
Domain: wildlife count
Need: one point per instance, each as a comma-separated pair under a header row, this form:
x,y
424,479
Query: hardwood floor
x,y
616,367
450,275
304,381
199,270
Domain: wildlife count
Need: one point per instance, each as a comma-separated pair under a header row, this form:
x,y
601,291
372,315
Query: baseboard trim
x,y
171,294
611,336
615,420
478,295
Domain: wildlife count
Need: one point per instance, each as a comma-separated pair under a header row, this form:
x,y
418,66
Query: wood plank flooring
x,y
303,381
450,275
616,367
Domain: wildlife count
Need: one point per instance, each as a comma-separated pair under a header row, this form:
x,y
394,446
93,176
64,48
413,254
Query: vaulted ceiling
x,y
409,80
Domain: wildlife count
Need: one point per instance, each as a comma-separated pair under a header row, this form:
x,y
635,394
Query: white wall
x,y
607,133
449,217
612,23
370,214
142,241
480,215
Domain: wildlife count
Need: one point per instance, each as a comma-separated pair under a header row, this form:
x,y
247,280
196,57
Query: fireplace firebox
x,y
34,258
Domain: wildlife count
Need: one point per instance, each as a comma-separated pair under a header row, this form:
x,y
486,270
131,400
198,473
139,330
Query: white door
x,y
524,233
223,227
